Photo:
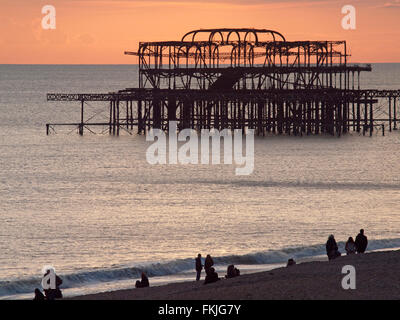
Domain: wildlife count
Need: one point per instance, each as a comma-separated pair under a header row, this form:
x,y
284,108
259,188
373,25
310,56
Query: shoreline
x,y
377,277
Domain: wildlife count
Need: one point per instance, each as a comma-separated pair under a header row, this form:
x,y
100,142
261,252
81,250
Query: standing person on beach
x,y
208,263
199,267
361,242
332,248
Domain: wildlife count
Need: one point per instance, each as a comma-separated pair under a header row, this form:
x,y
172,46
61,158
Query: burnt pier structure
x,y
243,79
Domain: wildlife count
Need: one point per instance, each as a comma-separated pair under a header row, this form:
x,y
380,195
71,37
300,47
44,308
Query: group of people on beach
x,y
332,251
351,247
211,274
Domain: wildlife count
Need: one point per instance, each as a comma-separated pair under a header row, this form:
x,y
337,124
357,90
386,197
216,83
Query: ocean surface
x,y
93,207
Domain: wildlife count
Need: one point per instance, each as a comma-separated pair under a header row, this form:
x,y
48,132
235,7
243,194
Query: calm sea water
x,y
95,209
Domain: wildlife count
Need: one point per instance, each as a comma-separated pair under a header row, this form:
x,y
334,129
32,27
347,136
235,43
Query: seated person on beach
x,y
290,262
237,271
332,248
208,263
38,295
232,272
56,293
144,283
361,242
350,246
211,277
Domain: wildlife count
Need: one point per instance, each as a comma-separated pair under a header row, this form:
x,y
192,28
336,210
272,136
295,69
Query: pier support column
x,y
141,124
280,117
365,115
274,116
210,114
81,123
187,113
340,124
394,113
114,117
131,114
171,110
260,107
117,117
127,115
223,114
323,116
345,116
111,118
217,108
390,114
156,114
371,119
309,117
317,121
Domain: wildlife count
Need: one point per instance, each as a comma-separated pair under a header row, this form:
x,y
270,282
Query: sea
x,y
93,207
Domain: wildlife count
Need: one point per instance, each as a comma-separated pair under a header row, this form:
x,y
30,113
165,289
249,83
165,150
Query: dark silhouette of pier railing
x,y
244,78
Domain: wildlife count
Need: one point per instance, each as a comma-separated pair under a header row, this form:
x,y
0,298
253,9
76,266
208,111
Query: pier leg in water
x,y
81,124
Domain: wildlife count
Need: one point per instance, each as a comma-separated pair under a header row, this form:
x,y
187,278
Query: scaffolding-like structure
x,y
245,79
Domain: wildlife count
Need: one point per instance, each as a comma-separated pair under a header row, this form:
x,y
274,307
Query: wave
x,y
83,278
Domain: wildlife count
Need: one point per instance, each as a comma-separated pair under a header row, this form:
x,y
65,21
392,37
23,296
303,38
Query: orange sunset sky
x,y
99,31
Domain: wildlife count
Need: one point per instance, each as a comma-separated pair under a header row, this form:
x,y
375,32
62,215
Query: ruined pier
x,y
242,79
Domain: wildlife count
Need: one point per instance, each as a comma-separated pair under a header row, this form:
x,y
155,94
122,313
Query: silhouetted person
x,y
143,283
199,267
290,262
332,248
56,293
232,272
350,246
208,263
39,296
211,276
361,242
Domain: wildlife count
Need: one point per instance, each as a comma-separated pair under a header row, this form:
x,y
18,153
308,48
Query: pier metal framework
x,y
244,79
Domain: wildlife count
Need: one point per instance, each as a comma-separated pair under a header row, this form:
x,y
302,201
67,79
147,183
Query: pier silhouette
x,y
243,79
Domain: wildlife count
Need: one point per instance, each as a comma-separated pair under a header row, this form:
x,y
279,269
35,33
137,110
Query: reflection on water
x,y
93,202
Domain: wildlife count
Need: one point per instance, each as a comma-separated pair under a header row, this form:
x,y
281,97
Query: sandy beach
x,y
377,277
